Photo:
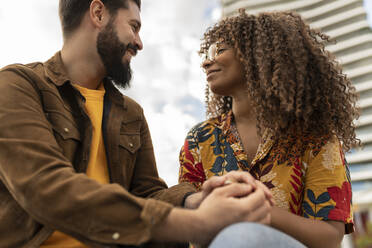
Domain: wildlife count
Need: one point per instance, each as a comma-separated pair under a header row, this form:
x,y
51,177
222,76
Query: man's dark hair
x,y
71,12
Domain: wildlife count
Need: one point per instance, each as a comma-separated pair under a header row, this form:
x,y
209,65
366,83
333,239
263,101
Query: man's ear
x,y
98,14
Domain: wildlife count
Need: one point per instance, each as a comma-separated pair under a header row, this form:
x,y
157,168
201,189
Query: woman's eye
x,y
221,50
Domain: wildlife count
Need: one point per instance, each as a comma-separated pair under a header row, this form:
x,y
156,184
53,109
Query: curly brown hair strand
x,y
296,86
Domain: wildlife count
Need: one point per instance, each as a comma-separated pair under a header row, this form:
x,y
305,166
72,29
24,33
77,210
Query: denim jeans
x,y
251,235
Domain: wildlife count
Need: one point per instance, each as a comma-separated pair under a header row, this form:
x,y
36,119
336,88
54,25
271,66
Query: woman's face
x,y
225,73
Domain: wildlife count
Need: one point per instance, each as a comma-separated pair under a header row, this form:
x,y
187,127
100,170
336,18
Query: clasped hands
x,y
239,193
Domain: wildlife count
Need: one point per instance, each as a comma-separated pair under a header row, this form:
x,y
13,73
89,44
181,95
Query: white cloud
x,y
168,81
30,31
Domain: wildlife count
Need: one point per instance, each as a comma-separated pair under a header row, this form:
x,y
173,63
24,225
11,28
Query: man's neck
x,y
83,66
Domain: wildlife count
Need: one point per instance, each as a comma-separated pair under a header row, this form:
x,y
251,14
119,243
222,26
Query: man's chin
x,y
127,58
120,74
122,81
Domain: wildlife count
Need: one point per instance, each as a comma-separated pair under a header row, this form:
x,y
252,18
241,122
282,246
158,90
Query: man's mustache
x,y
132,47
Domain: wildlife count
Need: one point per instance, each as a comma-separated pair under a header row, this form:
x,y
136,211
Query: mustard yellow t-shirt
x,y
97,166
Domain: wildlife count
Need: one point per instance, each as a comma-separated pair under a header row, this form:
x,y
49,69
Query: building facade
x,y
345,21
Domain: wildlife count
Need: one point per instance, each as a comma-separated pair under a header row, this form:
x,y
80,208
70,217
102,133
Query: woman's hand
x,y
193,201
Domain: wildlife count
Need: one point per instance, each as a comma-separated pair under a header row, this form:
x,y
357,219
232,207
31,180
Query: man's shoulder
x,y
26,72
132,106
32,68
131,103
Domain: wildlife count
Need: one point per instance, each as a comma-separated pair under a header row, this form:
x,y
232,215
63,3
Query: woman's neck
x,y
242,109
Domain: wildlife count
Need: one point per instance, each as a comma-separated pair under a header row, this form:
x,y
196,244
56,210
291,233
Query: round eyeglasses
x,y
214,50
211,53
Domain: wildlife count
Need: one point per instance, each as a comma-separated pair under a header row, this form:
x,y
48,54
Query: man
x,y
76,161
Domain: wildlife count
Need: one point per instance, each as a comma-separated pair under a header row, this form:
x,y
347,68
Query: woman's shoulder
x,y
316,144
209,123
204,128
294,146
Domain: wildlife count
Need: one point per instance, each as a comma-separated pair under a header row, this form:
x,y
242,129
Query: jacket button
x,y
116,236
131,144
66,130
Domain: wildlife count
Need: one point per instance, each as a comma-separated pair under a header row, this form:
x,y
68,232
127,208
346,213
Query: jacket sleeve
x,y
146,181
43,182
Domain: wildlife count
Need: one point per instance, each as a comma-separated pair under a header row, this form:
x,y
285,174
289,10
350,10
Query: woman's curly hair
x,y
297,87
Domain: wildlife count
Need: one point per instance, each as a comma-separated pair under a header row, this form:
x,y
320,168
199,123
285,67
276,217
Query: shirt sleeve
x,y
191,167
327,190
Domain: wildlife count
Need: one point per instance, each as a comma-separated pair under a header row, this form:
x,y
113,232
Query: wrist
x,y
204,232
193,200
191,225
275,212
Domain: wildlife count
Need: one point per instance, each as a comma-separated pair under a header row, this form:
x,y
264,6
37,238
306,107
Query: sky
x,y
167,79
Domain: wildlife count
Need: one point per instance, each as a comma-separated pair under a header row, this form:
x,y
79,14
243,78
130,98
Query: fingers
x,y
267,192
261,215
231,177
254,200
240,177
212,183
258,207
235,190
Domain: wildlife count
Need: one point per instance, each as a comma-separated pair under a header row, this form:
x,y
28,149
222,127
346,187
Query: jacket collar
x,y
56,72
113,93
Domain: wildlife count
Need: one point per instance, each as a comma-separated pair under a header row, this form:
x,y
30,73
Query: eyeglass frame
x,y
212,52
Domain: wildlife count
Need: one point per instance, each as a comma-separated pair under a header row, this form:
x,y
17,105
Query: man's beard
x,y
111,50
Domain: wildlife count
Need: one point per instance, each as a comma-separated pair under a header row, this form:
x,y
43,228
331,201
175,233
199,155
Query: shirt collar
x,y
56,72
224,123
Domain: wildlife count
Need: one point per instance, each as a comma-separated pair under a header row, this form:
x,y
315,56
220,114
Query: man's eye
x,y
134,28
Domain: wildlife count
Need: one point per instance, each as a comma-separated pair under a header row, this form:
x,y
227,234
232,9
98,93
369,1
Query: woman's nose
x,y
206,63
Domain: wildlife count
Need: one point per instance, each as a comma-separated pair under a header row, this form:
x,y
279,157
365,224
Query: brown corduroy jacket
x,y
45,137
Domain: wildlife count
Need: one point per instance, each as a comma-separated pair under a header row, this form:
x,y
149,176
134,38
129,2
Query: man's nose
x,y
139,43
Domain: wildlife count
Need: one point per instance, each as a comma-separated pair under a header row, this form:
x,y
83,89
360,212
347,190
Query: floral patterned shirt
x,y
315,185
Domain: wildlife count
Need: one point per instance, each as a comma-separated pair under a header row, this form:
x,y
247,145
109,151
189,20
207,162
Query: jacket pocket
x,y
130,141
63,126
66,134
129,145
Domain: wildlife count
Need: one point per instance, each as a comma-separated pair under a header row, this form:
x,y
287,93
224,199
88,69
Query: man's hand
x,y
218,206
193,201
232,204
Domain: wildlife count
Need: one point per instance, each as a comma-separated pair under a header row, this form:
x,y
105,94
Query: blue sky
x,y
368,7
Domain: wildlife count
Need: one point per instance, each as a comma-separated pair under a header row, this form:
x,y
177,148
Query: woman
x,y
279,107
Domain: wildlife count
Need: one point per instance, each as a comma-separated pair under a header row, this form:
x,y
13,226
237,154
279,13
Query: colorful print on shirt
x,y
315,185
